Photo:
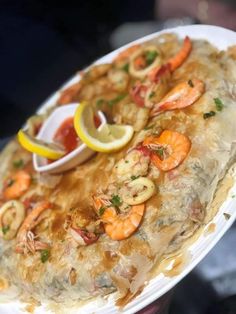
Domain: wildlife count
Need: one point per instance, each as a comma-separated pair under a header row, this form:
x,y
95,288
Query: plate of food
x,y
120,227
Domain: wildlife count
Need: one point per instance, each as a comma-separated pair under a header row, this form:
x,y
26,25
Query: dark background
x,y
43,43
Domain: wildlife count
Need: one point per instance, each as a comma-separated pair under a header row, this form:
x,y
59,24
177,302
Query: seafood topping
x,y
181,96
26,240
182,55
168,150
16,185
156,74
12,214
82,236
135,163
137,191
119,226
144,60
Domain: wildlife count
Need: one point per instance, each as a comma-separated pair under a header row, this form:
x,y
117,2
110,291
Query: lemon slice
x,y
39,147
107,138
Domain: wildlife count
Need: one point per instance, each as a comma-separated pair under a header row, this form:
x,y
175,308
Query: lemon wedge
x,y
107,138
48,150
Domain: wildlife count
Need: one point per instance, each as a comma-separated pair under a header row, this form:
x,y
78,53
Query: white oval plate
x,y
221,38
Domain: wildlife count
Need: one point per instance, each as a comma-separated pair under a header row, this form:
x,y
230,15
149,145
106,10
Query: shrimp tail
x,y
182,95
176,61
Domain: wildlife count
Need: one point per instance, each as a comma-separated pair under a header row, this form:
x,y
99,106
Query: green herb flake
x,y
125,68
126,161
116,201
219,104
150,56
115,100
44,255
134,177
99,102
160,151
190,83
5,229
233,196
152,94
101,210
209,114
18,163
148,127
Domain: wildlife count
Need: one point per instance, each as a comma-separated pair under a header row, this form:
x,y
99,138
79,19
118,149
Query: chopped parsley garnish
x,y
126,161
116,201
99,102
150,56
116,100
160,151
44,255
126,67
101,210
18,163
148,127
219,104
5,229
190,83
134,177
152,94
209,114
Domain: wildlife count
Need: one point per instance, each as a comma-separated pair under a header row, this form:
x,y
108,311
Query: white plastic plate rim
x,y
221,38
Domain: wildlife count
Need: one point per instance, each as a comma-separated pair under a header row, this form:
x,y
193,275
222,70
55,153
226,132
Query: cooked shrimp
x,y
69,94
119,226
16,185
135,163
182,95
158,73
168,150
149,93
12,214
182,55
25,237
176,61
